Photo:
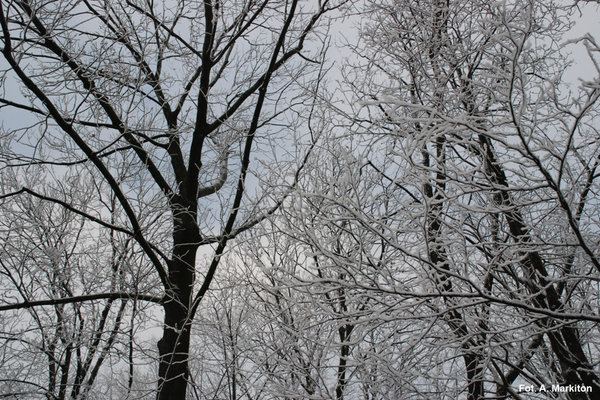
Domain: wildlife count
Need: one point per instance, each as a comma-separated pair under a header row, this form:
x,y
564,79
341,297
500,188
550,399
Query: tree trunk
x,y
344,334
173,347
173,350
575,368
474,376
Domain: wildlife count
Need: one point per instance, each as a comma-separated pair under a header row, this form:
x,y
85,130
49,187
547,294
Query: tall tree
x,y
46,252
162,106
491,153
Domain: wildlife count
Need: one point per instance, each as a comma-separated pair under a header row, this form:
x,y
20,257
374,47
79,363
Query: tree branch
x,y
82,298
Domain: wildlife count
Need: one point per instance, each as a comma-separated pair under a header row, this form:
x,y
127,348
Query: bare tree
x,y
322,275
161,107
46,254
448,250
490,152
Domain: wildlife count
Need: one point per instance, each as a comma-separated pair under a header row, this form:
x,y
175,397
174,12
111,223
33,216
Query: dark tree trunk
x,y
575,367
474,376
173,347
173,350
344,333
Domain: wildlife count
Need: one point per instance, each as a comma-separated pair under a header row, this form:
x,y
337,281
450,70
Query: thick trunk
x,y
474,376
173,347
173,350
575,368
344,333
